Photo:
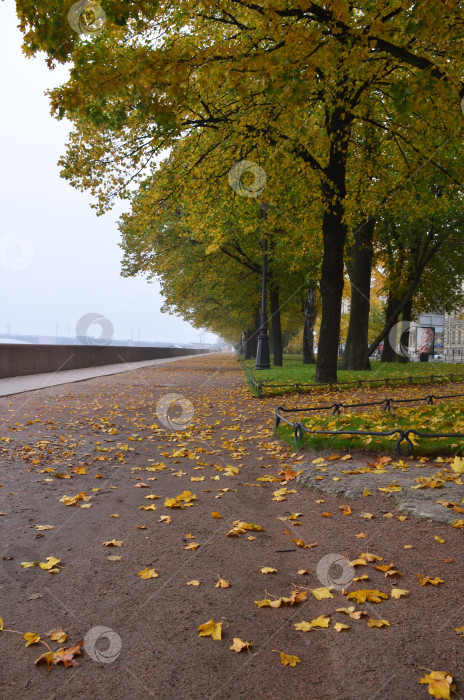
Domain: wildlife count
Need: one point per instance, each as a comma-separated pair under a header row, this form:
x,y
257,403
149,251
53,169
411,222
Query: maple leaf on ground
x,y
339,627
210,629
222,583
321,621
378,623
363,594
50,564
368,556
113,543
457,465
31,638
352,612
268,570
289,659
192,546
183,500
193,582
289,474
440,684
74,500
301,543
423,580
302,626
265,603
57,635
346,510
240,527
239,645
215,514
398,593
147,573
321,593
64,656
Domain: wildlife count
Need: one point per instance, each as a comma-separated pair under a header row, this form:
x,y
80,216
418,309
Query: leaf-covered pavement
x,y
185,560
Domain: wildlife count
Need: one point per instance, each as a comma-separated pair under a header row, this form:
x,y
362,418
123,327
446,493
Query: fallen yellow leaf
x,y
398,592
239,645
289,659
378,623
321,593
31,638
222,583
440,684
147,573
210,629
113,543
49,564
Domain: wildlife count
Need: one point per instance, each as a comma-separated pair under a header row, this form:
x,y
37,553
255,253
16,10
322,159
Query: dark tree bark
x,y
309,306
255,333
276,328
338,122
359,267
391,319
403,358
247,345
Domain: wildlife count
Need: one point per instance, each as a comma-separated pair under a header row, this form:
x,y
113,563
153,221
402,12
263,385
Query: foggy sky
x,y
58,260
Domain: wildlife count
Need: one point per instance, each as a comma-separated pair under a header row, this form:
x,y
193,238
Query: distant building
x,y
454,337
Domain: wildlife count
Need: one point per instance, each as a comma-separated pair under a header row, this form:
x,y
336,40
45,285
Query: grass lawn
x,y
446,418
294,372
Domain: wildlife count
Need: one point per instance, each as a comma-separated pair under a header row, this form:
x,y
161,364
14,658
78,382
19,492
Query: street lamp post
x,y
262,353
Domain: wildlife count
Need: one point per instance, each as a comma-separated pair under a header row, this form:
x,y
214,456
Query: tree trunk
x,y
309,306
359,267
247,345
276,328
389,344
405,325
255,333
338,123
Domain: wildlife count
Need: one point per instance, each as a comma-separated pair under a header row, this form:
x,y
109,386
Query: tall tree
x,y
294,78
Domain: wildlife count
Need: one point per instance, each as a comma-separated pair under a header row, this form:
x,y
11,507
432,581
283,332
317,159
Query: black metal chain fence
x,y
403,434
299,387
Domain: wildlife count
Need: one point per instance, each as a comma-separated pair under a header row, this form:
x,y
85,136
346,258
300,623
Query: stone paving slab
x,y
421,502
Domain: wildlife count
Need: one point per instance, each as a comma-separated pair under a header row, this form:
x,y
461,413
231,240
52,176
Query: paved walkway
x,y
160,531
32,382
